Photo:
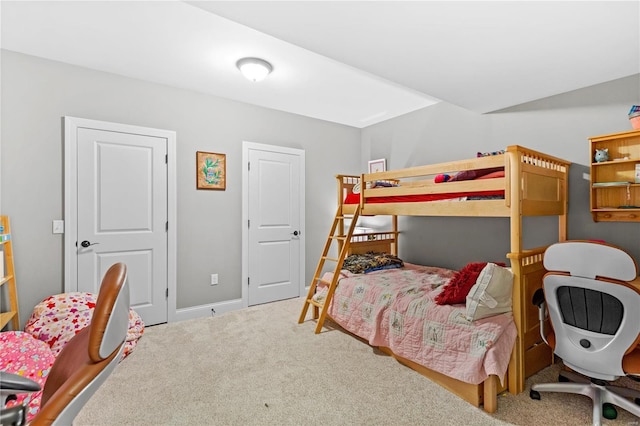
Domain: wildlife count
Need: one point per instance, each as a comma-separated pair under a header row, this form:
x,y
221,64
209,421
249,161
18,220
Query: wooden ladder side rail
x,y
343,241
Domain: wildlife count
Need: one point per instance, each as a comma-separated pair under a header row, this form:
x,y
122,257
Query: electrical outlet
x,y
214,279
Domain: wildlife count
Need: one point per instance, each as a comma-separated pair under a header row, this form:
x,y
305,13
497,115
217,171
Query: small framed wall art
x,y
378,165
211,170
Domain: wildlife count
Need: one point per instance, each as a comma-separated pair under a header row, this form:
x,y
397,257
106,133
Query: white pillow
x,y
491,294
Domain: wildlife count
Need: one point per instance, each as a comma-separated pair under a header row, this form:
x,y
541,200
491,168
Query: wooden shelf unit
x,y
8,282
615,192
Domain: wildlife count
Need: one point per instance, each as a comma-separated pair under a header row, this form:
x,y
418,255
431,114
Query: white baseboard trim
x,y
203,311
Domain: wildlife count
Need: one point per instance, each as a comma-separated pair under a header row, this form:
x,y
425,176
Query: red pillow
x,y
456,290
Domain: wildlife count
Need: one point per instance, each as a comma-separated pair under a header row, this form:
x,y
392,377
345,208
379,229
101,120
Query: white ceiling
x,y
355,63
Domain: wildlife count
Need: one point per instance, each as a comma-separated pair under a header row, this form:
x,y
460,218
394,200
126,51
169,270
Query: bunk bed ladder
x,y
335,235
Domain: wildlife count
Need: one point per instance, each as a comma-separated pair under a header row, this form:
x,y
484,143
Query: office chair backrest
x,y
593,311
590,260
90,356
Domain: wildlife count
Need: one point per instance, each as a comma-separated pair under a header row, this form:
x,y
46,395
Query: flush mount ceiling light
x,y
255,69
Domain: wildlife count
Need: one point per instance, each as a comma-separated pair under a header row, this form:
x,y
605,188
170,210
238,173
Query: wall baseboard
x,y
208,310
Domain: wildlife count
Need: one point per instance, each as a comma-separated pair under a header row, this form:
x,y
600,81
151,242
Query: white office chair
x,y
595,319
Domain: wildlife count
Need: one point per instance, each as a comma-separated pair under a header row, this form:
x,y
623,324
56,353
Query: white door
x,y
275,224
122,214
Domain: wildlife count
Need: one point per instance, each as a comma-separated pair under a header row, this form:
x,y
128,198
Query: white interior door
x,y
122,215
275,222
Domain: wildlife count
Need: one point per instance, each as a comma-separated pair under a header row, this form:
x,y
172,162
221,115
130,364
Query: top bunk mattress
x,y
352,198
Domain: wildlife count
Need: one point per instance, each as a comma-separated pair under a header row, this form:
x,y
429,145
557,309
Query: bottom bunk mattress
x,y
395,308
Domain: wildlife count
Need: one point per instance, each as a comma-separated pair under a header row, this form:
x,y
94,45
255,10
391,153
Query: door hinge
x,y
249,166
166,159
167,293
248,281
248,223
166,226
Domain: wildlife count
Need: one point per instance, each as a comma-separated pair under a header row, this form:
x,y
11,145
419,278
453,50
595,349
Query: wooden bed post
x,y
562,219
513,165
532,176
340,209
394,246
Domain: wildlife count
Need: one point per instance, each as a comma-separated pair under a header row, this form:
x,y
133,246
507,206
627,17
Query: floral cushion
x,y
29,357
58,318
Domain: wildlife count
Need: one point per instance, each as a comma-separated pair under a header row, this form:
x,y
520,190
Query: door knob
x,y
295,233
86,244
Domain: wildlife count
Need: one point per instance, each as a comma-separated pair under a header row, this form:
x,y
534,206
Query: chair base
x,y
600,394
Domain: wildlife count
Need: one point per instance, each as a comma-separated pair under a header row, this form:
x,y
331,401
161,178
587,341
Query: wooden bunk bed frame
x,y
535,184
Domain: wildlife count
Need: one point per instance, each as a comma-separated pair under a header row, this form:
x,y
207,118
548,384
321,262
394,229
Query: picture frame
x,y
379,165
211,170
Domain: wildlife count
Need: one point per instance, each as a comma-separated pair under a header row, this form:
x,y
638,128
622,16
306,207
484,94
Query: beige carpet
x,y
257,366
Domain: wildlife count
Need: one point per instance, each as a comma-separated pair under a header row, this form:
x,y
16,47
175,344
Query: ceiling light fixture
x,y
255,69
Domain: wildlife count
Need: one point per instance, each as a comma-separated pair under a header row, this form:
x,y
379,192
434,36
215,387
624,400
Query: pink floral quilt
x,y
395,308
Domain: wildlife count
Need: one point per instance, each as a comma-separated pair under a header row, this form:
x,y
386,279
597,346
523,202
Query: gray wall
x,y
37,93
558,125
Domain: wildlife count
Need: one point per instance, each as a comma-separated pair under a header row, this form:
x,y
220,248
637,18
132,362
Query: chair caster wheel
x,y
534,394
609,411
563,379
637,401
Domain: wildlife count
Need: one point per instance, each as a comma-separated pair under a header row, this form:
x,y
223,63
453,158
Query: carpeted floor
x,y
257,366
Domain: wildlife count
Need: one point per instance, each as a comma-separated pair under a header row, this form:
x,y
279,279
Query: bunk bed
x,y
529,183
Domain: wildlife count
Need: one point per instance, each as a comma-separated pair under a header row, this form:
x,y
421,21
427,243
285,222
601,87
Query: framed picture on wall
x,y
211,170
378,165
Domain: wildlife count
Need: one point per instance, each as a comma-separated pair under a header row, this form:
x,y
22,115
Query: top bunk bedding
x,y
456,196
518,181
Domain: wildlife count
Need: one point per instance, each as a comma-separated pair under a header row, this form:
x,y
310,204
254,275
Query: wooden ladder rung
x,y
338,237
330,258
316,304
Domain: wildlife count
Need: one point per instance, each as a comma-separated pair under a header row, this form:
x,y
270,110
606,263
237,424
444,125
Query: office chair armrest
x,y
538,300
10,385
16,415
13,383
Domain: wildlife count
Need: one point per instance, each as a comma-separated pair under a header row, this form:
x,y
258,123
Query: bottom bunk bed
x,y
464,347
395,306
